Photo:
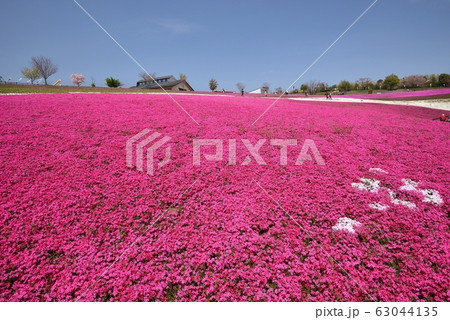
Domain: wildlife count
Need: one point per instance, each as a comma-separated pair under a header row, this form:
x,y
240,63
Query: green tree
x,y
344,86
213,84
444,79
113,83
304,87
30,73
433,80
379,84
391,82
183,76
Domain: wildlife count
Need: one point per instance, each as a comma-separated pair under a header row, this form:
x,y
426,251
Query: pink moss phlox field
x,y
402,94
69,205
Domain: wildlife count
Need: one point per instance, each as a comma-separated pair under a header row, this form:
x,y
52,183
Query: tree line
x,y
43,67
390,82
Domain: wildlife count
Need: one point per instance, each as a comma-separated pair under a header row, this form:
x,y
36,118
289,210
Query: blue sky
x,y
251,42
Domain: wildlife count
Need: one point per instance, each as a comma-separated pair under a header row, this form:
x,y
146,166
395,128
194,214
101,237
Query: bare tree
x,y
364,83
45,66
313,85
322,86
30,73
279,90
266,86
240,86
147,76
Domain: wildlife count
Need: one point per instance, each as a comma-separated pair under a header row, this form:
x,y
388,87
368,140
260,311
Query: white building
x,y
261,90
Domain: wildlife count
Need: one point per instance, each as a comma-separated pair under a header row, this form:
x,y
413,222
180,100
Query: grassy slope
x,y
12,88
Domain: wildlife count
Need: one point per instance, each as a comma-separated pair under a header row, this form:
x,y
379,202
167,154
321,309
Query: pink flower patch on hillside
x,y
70,205
402,94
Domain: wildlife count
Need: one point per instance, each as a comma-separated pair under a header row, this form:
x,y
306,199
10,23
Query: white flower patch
x,y
432,196
372,185
378,206
367,184
395,200
378,170
346,224
409,185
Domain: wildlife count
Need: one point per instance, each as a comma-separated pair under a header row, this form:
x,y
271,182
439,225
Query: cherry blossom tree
x,y
415,81
77,79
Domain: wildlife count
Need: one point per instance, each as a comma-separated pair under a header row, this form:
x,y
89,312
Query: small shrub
x,y
113,83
